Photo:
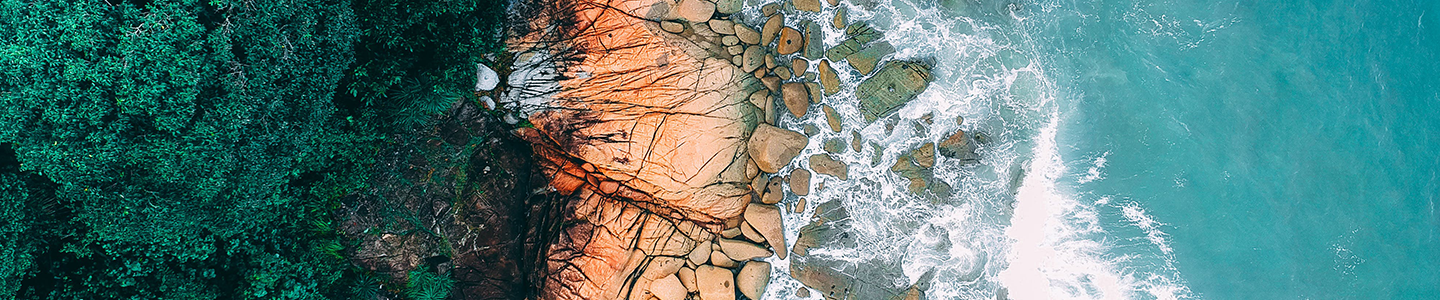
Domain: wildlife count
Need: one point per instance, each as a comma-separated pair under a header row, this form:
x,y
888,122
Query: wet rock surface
x,y
895,84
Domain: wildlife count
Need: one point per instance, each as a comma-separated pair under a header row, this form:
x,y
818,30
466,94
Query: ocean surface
x,y
1157,149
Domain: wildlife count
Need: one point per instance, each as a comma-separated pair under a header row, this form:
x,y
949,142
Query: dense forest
x,y
184,149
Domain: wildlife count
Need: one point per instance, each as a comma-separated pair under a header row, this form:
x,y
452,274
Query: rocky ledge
x,y
656,120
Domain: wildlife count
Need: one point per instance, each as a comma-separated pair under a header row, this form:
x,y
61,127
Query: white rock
x,y
489,103
485,78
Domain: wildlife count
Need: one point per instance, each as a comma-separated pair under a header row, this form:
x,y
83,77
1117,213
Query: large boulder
x,y
715,283
772,147
753,278
796,97
895,84
766,220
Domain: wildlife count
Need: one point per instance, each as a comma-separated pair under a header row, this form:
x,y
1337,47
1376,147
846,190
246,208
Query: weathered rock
x,y
672,27
834,146
739,250
828,78
815,92
791,41
773,148
831,117
855,141
783,73
771,28
770,9
701,254
799,66
730,232
865,60
771,82
800,182
687,279
753,278
770,61
759,184
924,156
802,292
796,98
668,288
773,192
859,35
746,34
839,21
728,6
753,58
750,234
823,164
737,51
766,220
811,130
771,111
833,2
815,44
729,40
806,5
958,147
702,28
697,11
894,85
718,258
715,283
721,26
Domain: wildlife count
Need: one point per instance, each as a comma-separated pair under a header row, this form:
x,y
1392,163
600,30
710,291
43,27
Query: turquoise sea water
x,y
1274,149
1148,149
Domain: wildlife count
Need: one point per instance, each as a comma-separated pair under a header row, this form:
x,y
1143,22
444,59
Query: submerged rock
x,y
815,43
824,164
895,84
957,146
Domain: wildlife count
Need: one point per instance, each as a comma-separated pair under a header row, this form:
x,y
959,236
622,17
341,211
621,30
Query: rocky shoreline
x,y
661,127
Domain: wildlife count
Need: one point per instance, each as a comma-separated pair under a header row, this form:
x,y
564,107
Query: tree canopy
x,y
183,149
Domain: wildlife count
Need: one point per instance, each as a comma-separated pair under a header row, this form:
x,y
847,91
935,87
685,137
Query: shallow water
x,y
1153,150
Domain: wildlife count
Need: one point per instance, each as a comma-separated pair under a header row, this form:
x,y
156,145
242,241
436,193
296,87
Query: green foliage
x,y
415,58
177,131
184,149
426,285
15,247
